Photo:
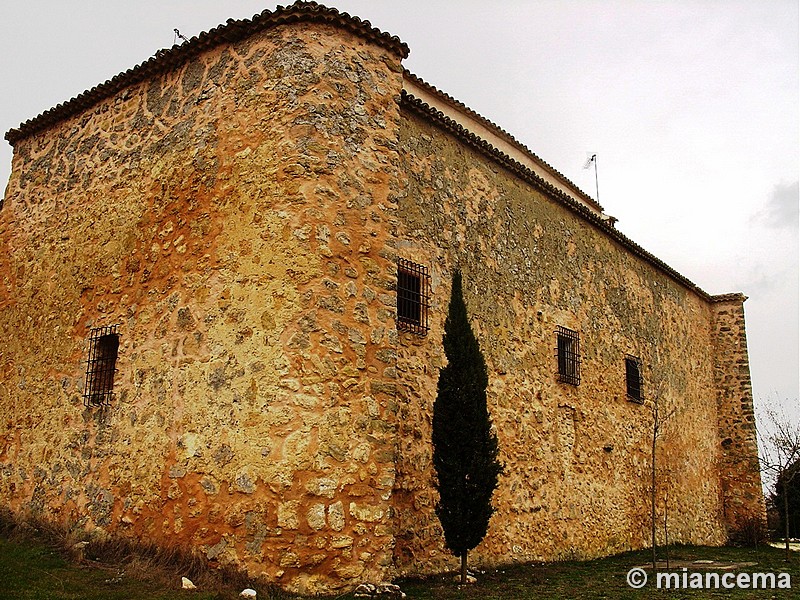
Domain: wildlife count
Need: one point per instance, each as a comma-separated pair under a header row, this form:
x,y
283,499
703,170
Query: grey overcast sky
x,y
690,105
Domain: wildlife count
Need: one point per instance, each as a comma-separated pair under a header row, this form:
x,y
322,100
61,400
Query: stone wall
x,y
577,480
743,499
233,216
238,216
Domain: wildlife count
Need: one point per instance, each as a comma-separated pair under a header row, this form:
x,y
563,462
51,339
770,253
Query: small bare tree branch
x,y
661,416
779,441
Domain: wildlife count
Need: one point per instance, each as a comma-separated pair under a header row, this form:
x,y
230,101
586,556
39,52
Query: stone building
x,y
223,280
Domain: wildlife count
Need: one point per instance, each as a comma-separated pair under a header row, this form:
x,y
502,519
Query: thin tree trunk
x,y
464,568
786,516
653,491
666,530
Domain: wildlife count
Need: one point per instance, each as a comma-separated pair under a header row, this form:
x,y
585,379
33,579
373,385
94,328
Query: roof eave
x,y
597,220
232,31
505,135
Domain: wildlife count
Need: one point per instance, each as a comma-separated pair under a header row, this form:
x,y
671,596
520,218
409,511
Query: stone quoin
x,y
224,275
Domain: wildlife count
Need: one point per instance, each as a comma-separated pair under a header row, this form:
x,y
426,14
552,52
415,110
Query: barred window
x,y
633,379
568,355
413,297
98,389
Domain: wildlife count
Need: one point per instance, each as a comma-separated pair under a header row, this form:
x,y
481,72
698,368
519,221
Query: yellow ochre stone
x,y
238,217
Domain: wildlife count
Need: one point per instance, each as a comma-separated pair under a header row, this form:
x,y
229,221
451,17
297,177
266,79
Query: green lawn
x,y
33,569
606,578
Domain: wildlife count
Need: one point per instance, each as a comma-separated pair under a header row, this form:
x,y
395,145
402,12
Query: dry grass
x,y
33,566
120,558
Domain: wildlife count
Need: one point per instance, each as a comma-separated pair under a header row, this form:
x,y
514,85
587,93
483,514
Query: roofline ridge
x,y
439,118
503,133
730,297
232,30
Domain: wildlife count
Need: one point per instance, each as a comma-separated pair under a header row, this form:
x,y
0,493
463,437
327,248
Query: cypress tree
x,y
464,446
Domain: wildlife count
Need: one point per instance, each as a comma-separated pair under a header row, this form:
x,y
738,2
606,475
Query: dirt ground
x,y
792,545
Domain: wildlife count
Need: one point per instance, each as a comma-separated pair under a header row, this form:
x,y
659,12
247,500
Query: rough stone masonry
x,y
236,206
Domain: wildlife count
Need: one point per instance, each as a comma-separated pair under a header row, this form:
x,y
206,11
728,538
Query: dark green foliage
x,y
788,482
464,445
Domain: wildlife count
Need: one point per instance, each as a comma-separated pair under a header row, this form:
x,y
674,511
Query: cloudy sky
x,y
691,107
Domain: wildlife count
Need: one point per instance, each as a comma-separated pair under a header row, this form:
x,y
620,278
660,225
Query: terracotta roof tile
x,y
502,133
303,11
231,31
441,120
733,297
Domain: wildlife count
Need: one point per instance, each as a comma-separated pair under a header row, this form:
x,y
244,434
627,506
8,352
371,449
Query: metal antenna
x,y
178,36
589,161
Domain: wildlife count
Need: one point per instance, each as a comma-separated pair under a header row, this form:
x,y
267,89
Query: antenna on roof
x,y
592,159
178,36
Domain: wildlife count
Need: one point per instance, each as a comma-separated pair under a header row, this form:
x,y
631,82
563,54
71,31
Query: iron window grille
x,y
98,389
633,379
413,297
568,354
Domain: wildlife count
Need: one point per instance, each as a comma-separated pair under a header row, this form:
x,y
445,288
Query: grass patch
x,y
605,578
34,564
34,570
39,560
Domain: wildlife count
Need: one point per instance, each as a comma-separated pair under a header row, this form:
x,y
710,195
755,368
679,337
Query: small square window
x,y
633,379
568,353
98,389
413,297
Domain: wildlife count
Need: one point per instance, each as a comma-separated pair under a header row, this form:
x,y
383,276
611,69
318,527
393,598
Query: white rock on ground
x,y
187,584
248,593
381,590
